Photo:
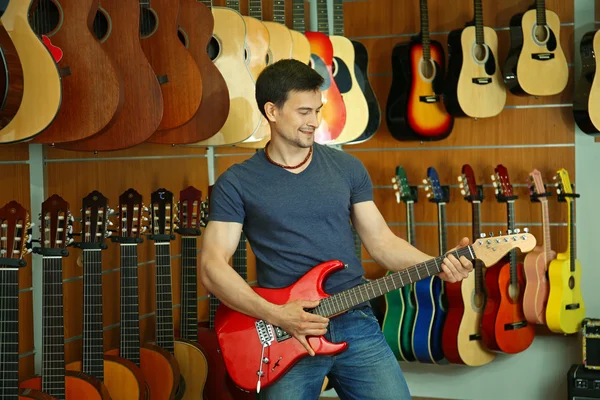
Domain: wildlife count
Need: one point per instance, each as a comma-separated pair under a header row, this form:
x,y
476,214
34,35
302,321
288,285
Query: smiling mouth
x,y
307,132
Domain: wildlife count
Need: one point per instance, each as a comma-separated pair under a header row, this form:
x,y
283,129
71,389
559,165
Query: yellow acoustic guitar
x,y
301,45
42,89
565,309
227,51
536,64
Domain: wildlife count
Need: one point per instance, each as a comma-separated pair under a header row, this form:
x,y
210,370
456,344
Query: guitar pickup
x,y
515,325
429,99
542,56
482,81
476,336
280,334
574,306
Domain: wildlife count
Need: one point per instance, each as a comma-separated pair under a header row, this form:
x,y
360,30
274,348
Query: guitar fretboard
x,y
442,232
207,3
540,7
298,16
347,299
338,17
571,222
425,31
189,289
145,3
279,11
410,222
129,347
233,4
512,255
477,264
164,297
9,333
322,18
479,38
546,227
255,9
93,343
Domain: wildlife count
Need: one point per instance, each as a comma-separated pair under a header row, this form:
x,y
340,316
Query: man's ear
x,y
271,111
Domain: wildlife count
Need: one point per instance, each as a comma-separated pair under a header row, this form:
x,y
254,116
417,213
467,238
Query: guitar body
x,y
392,322
77,386
196,22
537,287
333,111
408,321
25,394
92,88
11,79
429,320
586,100
456,310
123,379
236,333
488,322
193,367
510,312
42,95
300,47
353,97
142,108
536,64
565,309
160,370
361,70
227,52
415,110
486,96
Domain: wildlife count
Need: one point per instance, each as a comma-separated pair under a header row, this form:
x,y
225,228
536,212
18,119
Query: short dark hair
x,y
277,80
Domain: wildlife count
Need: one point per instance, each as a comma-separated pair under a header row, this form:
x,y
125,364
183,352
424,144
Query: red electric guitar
x,y
257,353
504,326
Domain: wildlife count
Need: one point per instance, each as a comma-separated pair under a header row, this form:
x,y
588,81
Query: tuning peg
x,y
428,195
397,197
110,223
461,186
493,177
459,178
70,240
491,234
395,186
463,193
394,179
108,234
425,181
526,230
145,209
499,233
482,235
426,188
509,231
29,250
495,184
517,230
144,229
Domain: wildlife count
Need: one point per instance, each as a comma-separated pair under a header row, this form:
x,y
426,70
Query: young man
x,y
295,200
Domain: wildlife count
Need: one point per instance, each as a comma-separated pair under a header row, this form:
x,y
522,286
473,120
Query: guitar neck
x,y
540,8
442,232
239,259
512,255
93,344
255,9
9,334
322,18
207,3
410,223
479,38
233,4
425,31
164,299
279,11
357,244
129,347
546,227
189,289
298,23
53,334
477,265
347,299
145,3
338,17
571,252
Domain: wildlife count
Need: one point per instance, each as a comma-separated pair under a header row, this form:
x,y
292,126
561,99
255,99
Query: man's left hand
x,y
455,270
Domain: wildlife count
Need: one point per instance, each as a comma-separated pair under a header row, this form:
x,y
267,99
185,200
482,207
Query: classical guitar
x,y
159,367
193,363
461,338
333,113
300,44
400,305
429,292
16,242
536,64
41,98
195,31
474,86
117,26
415,110
257,354
174,66
56,228
123,379
565,309
586,101
536,263
88,105
504,327
227,49
11,80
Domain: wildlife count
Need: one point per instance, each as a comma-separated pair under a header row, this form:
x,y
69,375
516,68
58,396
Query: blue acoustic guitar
x,y
429,292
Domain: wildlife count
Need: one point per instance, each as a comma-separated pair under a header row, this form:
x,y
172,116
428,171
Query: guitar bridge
x,y
515,325
542,56
573,306
429,99
482,81
265,332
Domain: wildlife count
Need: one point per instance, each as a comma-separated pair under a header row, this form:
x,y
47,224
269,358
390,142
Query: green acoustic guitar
x,y
400,304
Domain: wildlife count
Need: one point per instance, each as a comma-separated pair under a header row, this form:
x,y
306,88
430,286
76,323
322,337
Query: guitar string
x,y
4,366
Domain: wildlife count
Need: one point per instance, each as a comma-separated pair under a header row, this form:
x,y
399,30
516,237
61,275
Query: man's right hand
x,y
292,318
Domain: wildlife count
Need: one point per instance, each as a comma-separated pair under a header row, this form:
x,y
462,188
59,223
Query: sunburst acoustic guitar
x,y
42,96
474,86
195,32
11,78
91,86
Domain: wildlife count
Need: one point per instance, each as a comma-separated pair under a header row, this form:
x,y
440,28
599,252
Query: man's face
x,y
297,120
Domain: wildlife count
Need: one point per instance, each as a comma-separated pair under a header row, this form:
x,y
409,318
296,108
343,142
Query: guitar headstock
x,y
564,188
537,189
131,220
468,184
191,213
95,221
501,181
56,227
493,249
15,235
435,191
163,216
402,189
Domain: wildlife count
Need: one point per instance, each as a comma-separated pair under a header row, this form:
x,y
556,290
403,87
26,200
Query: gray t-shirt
x,y
296,221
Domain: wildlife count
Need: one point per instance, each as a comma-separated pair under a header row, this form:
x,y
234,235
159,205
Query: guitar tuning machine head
x,y
509,231
526,230
517,230
491,234
482,235
459,178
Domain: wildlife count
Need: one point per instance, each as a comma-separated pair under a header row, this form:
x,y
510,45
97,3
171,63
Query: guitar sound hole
x,y
479,301
513,291
427,68
45,17
101,25
213,48
480,52
541,33
183,37
148,22
571,283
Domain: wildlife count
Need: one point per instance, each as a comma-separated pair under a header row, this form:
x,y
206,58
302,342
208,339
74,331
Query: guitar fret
x,y
541,12
479,36
425,31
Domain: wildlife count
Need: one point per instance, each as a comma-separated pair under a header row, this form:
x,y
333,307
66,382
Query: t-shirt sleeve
x,y
362,187
226,202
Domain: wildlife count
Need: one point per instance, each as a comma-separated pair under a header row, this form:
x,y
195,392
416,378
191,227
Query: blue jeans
x,y
367,369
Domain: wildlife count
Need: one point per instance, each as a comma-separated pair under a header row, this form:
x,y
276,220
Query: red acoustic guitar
x,y
504,326
257,353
